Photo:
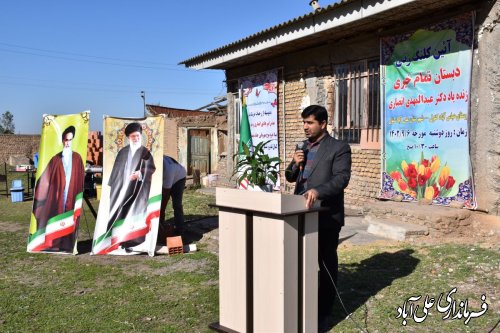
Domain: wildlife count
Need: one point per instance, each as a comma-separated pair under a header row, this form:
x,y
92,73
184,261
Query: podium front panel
x,y
310,273
233,270
275,273
268,262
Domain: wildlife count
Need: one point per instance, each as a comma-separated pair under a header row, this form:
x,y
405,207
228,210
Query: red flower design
x,y
395,175
421,180
427,173
436,191
402,185
412,182
411,172
450,183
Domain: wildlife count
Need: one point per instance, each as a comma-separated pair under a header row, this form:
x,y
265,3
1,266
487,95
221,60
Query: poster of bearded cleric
x,y
58,193
127,221
426,104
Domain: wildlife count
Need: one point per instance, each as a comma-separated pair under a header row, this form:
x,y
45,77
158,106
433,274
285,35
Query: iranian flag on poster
x,y
58,193
129,209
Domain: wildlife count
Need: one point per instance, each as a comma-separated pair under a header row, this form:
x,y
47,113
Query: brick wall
x,y
94,148
176,137
364,185
18,145
170,138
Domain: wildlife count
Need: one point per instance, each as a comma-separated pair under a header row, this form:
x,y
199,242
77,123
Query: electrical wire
x,y
342,303
90,58
85,55
131,90
68,56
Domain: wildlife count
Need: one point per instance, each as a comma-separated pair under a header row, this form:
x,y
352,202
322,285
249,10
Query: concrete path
x,y
354,232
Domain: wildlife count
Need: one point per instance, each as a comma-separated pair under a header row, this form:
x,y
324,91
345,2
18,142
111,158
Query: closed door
x,y
199,151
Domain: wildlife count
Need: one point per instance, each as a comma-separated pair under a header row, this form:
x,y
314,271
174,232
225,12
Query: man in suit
x,y
321,169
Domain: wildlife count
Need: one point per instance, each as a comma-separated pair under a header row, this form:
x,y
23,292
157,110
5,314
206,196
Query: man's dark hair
x,y
70,129
319,113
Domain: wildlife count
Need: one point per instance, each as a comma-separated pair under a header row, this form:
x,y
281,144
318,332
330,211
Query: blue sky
x,y
62,57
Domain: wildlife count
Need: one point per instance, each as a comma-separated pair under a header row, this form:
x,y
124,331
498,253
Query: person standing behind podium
x,y
174,181
321,169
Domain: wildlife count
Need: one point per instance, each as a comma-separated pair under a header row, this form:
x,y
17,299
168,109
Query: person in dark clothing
x,y
321,170
174,182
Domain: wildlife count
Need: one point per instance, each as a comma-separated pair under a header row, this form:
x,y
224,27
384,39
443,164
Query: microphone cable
x,y
342,303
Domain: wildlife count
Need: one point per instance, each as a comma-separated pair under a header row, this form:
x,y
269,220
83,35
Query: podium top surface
x,y
265,202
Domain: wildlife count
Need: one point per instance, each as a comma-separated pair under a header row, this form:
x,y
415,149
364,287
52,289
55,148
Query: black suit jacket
x,y
330,174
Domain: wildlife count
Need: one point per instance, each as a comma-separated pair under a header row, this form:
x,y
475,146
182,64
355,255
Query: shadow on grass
x,y
195,227
84,246
360,281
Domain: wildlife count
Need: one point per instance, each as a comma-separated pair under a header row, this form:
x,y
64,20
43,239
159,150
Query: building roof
x,y
334,22
174,112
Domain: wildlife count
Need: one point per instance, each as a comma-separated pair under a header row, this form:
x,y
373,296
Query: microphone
x,y
302,146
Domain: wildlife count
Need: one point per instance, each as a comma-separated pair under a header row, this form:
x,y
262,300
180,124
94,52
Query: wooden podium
x,y
268,271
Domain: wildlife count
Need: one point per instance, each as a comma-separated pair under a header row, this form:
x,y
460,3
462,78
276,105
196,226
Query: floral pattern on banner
x,y
427,179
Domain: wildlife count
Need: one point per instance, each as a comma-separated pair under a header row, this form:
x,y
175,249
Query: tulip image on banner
x,y
129,210
245,137
427,75
58,193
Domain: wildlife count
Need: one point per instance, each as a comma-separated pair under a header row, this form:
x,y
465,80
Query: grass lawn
x,y
83,293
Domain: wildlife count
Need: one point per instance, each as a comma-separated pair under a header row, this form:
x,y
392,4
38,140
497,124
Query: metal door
x,y
199,150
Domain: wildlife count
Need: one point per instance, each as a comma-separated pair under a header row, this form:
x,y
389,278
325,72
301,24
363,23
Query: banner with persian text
x,y
426,104
261,95
129,210
58,194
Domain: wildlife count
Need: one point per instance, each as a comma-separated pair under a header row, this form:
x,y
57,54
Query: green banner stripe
x,y
39,232
109,232
60,217
64,215
154,199
118,223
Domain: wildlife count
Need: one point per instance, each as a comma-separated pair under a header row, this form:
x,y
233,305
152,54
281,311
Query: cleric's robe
x,y
49,197
130,198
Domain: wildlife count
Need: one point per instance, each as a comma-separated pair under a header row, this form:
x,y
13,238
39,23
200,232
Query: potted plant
x,y
254,165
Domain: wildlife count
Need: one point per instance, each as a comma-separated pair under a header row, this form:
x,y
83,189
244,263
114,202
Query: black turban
x,y
133,127
70,129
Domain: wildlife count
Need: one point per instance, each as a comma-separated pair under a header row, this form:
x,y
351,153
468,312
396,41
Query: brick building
x,y
317,54
194,138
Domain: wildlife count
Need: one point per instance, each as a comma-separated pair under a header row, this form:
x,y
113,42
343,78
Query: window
x,y
357,101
